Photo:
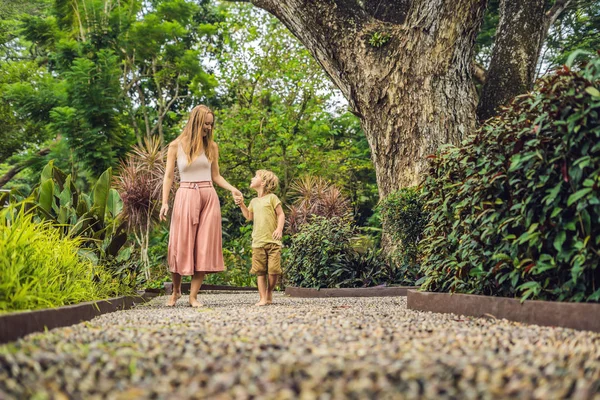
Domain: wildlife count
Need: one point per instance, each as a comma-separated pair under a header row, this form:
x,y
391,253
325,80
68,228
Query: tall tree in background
x,y
405,67
277,110
519,38
94,76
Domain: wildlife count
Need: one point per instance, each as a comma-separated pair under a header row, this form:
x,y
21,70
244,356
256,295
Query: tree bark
x,y
520,35
412,92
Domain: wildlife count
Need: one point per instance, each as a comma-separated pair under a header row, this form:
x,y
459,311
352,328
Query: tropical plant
x,y
40,267
515,209
139,184
93,218
314,196
370,268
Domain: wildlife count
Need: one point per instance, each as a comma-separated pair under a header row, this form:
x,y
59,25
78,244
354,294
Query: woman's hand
x,y
236,194
163,212
238,200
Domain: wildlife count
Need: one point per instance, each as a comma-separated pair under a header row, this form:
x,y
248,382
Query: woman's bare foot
x,y
195,303
173,300
261,303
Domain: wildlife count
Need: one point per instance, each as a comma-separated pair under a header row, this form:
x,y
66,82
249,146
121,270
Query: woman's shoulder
x,y
174,146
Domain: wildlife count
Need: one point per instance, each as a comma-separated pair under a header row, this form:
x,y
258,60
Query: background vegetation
x,y
92,90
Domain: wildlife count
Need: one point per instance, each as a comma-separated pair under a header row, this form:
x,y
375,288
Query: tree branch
x,y
553,13
20,167
328,28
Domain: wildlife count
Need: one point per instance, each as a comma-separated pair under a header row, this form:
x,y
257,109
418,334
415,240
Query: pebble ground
x,y
355,348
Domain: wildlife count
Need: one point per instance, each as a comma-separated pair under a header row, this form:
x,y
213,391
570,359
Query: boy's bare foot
x,y
173,300
261,303
195,303
269,301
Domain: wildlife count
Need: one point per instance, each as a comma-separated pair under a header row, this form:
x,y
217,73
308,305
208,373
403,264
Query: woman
x,y
195,243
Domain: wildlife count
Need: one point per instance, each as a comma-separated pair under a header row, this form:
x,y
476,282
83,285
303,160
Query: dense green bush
x,y
403,214
322,255
515,211
317,252
41,268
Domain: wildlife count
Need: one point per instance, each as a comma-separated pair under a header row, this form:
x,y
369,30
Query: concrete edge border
x,y
378,291
580,316
15,325
185,288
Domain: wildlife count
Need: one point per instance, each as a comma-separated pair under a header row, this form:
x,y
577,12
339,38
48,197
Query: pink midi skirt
x,y
195,242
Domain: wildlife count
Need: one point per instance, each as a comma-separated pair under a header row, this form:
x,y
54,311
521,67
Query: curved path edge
x,y
580,316
18,324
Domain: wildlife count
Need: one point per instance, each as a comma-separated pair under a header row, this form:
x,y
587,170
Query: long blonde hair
x,y
191,138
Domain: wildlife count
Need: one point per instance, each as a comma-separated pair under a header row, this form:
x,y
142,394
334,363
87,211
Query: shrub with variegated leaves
x,y
515,211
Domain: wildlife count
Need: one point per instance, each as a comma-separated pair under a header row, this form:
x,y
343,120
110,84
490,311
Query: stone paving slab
x,y
335,348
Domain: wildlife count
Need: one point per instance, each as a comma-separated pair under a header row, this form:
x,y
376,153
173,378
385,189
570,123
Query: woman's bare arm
x,y
216,175
168,179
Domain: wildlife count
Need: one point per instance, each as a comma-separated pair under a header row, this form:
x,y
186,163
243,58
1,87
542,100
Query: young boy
x,y
266,212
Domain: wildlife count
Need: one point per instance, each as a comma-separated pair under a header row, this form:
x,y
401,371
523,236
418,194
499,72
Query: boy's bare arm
x,y
280,223
249,215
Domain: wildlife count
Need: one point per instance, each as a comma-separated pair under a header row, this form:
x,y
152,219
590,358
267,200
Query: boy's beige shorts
x,y
266,260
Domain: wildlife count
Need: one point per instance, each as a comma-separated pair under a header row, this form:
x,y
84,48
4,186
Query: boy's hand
x,y
238,199
277,234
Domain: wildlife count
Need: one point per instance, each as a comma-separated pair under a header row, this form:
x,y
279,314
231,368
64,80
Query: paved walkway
x,y
300,349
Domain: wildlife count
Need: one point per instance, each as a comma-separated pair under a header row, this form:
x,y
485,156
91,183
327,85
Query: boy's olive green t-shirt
x,y
265,219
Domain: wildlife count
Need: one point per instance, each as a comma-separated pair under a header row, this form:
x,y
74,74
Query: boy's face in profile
x,y
256,182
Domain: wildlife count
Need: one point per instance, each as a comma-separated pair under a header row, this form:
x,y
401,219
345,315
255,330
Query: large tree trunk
x,y
520,35
413,92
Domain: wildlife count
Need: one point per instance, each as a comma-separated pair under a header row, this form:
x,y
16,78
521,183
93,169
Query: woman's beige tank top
x,y
199,170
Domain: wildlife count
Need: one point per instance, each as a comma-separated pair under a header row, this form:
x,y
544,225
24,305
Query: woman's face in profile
x,y
208,124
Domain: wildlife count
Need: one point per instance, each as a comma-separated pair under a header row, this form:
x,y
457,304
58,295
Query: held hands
x,y
238,197
163,212
277,234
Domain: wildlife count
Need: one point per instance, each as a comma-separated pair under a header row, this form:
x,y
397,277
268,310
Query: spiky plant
x,y
314,196
139,183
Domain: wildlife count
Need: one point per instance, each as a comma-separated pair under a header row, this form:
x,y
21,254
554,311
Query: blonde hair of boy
x,y
270,179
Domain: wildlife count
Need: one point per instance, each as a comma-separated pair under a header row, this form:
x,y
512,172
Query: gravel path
x,y
354,348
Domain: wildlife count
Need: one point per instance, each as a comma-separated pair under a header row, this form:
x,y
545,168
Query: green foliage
x,y
237,254
100,75
41,268
363,269
322,255
279,112
93,121
402,213
94,220
576,29
318,252
379,39
515,209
